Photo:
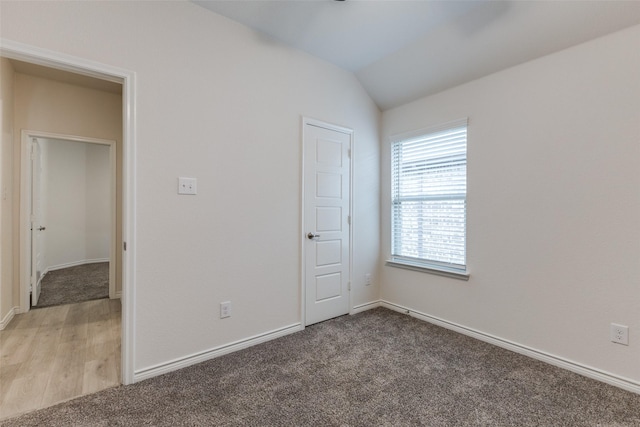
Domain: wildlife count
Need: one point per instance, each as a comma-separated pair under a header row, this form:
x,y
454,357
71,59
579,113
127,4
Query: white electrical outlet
x,y
620,334
367,279
187,185
225,309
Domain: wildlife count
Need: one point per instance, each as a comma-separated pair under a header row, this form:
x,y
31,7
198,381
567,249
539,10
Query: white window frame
x,y
459,271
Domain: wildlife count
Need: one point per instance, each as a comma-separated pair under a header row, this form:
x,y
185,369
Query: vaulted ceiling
x,y
403,50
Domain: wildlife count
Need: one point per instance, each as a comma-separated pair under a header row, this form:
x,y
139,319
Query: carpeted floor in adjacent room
x,y
377,368
75,284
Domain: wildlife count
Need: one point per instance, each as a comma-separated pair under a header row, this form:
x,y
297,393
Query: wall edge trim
x,y
9,316
183,362
365,306
74,264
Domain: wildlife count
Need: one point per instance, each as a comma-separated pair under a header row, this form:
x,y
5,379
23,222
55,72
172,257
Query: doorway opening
x,y
57,62
68,219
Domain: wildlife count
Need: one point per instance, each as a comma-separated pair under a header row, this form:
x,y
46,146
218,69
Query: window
x,y
429,192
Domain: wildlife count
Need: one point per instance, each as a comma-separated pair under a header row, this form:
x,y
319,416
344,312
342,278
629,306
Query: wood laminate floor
x,y
54,354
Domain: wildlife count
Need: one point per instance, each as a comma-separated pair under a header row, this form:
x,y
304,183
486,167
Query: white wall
x,y
75,202
553,204
6,190
221,103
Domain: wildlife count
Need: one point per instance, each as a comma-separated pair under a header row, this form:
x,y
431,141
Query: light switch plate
x,y
187,185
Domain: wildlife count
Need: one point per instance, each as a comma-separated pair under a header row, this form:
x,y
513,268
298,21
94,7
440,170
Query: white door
x,y
326,221
36,222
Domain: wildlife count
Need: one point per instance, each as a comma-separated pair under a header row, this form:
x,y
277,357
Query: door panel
x,y
36,222
329,153
326,227
328,253
329,219
329,185
328,286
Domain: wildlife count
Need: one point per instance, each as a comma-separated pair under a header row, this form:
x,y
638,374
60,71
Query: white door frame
x,y
27,53
25,208
303,233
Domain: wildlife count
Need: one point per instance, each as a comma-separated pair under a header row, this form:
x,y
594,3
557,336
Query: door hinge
x,y
349,219
124,245
349,153
349,285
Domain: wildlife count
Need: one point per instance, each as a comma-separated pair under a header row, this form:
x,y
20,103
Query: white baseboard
x,y
73,264
587,371
364,307
183,362
8,317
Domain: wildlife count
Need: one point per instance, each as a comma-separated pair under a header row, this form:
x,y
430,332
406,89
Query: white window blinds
x,y
429,189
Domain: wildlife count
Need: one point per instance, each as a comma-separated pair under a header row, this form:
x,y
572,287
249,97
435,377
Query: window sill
x,y
440,271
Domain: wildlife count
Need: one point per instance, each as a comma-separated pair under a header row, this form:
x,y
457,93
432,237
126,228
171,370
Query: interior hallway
x,y
57,353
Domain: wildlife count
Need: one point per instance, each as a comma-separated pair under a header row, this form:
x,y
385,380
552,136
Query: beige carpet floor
x,y
75,284
377,368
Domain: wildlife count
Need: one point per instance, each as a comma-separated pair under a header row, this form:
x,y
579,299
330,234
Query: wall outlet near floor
x,y
225,309
620,334
367,279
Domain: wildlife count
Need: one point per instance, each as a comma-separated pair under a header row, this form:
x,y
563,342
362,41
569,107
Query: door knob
x,y
42,228
312,236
